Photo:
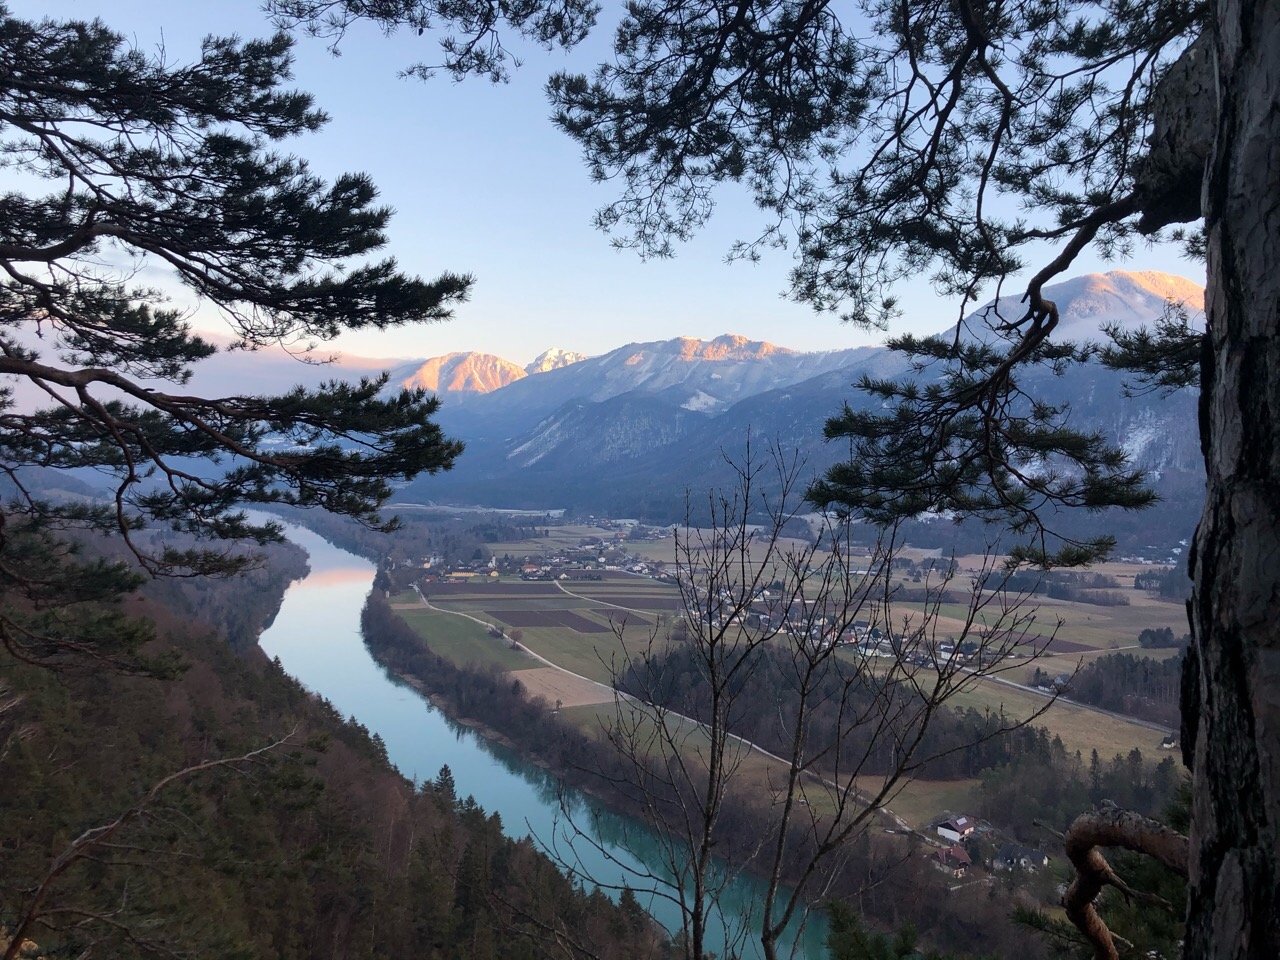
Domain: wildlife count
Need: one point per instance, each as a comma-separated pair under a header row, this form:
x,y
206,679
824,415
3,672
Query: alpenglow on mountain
x,y
459,373
553,359
475,373
629,431
1125,298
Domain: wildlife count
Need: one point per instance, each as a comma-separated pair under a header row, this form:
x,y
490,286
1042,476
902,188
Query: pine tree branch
x,y
1109,826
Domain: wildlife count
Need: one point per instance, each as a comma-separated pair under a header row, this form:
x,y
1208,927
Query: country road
x,y
1109,714
858,795
590,691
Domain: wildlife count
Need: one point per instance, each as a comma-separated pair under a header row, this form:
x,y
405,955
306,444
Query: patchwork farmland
x,y
577,625
565,639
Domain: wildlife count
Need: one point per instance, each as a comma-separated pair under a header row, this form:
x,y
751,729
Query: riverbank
x,y
441,704
311,843
496,703
890,884
318,641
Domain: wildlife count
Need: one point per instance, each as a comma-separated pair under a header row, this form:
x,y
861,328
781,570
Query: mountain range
x,y
628,432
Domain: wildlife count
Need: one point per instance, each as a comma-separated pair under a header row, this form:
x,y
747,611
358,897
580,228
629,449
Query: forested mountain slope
x,y
316,849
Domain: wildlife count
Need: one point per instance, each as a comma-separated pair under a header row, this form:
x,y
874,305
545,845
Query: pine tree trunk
x,y
1232,691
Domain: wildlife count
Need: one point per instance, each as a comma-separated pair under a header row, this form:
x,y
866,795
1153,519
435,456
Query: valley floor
x,y
566,640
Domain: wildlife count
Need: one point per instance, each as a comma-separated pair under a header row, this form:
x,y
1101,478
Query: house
x,y
1013,856
953,860
955,829
1170,742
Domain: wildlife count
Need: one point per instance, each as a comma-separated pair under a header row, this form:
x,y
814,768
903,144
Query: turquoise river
x,y
316,636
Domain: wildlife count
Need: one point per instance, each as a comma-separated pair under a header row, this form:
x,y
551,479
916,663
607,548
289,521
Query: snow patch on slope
x,y
702,402
553,359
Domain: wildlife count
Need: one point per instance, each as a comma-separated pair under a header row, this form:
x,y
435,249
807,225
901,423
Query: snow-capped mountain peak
x,y
728,346
460,373
553,359
1126,298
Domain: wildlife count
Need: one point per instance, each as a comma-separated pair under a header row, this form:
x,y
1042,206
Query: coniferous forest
x,y
986,571
314,848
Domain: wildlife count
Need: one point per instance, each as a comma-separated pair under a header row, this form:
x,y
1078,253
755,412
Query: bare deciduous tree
x,y
803,689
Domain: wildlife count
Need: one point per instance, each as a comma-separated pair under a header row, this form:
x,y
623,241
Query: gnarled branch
x,y
1109,826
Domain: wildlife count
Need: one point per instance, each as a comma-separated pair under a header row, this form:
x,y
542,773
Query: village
x,y
613,552
588,559
965,848
962,843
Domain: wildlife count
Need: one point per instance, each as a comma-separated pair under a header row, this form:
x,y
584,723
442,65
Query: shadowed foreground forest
x,y
318,848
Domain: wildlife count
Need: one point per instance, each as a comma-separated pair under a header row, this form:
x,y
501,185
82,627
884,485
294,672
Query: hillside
x,y
318,849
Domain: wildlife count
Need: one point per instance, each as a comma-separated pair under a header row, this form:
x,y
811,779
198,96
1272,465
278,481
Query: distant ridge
x,y
630,430
463,373
711,373
1127,298
717,372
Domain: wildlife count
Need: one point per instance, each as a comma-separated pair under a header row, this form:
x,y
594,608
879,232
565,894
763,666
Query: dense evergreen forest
x,y
417,535
1141,687
316,848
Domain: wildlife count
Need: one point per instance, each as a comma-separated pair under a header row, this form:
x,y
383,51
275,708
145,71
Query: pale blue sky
x,y
482,183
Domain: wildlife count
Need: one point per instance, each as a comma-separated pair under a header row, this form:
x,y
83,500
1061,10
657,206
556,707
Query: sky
x,y
482,183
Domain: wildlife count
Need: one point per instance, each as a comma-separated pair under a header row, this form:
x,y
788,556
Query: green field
x,y
596,655
559,538
592,718
464,642
921,801
590,655
1094,630
1080,728
496,601
1067,662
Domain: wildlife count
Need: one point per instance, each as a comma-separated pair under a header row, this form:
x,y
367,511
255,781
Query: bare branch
x,y
88,841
